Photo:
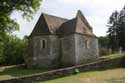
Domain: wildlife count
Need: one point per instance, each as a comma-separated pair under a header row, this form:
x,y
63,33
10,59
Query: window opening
x,y
86,44
43,43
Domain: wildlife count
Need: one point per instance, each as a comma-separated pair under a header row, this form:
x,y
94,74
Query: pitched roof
x,y
48,24
76,25
40,27
67,27
54,22
82,25
82,17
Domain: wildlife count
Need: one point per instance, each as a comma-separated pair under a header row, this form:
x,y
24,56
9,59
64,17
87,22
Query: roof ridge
x,y
45,14
53,22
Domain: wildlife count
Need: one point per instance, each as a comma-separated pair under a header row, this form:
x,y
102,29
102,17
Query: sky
x,y
97,13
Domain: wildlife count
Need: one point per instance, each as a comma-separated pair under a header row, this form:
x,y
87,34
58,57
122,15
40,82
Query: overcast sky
x,y
97,13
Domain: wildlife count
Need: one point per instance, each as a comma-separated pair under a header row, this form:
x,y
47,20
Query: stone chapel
x,y
58,42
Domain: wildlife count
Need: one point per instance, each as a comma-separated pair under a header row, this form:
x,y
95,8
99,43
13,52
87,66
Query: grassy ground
x,y
106,76
113,56
12,72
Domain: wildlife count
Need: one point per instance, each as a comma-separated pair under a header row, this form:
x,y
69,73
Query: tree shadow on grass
x,y
19,71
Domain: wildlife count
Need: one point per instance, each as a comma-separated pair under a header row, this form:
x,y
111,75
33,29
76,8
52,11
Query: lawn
x,y
12,72
113,56
106,76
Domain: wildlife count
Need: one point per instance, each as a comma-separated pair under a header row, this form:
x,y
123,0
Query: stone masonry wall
x,y
86,49
46,57
68,50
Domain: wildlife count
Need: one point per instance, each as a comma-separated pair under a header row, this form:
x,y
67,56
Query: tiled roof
x,y
48,24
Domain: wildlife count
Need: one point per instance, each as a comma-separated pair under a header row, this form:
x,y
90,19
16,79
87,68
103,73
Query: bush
x,y
12,51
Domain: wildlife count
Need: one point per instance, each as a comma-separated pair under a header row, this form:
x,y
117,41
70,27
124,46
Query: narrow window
x,y
86,44
43,43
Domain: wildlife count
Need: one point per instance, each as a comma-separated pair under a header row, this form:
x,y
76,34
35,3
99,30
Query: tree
x,y
26,7
112,31
11,46
103,41
13,49
121,29
103,45
116,30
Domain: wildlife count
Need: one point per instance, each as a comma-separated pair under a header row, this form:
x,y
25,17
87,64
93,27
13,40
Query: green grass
x,y
106,76
113,56
8,73
12,72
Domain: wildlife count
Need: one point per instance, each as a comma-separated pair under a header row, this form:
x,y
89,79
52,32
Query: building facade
x,y
57,42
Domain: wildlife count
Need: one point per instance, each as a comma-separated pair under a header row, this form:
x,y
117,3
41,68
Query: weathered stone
x,y
56,42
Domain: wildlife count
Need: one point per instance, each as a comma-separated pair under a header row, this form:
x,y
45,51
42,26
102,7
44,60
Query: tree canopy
x,y
12,46
103,41
26,7
12,50
116,30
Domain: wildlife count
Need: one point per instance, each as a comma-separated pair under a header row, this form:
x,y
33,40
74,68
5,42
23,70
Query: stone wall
x,y
99,65
78,49
68,50
73,49
86,48
45,52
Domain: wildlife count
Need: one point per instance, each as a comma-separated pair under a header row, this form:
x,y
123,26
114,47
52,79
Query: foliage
x,y
103,41
12,50
12,47
13,72
103,45
26,7
116,31
113,56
